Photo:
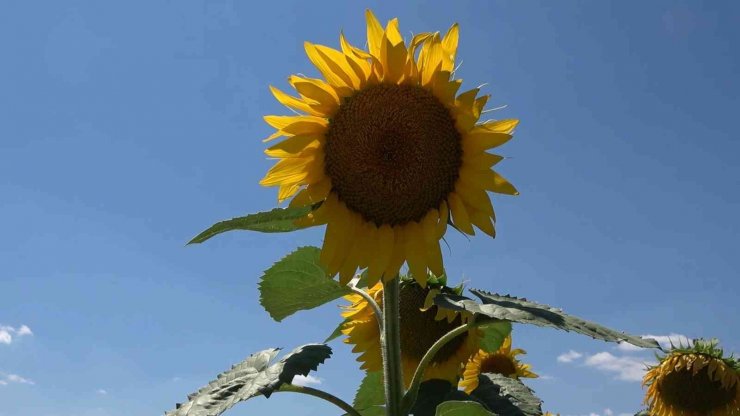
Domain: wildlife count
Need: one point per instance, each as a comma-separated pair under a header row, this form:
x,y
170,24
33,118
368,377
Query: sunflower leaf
x,y
494,335
434,392
520,310
462,408
337,331
297,282
278,220
370,397
507,396
252,377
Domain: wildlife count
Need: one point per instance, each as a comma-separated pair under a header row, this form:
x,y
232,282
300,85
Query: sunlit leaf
x,y
278,220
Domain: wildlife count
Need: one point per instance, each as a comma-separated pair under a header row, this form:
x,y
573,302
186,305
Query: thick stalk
x,y
322,395
410,397
390,344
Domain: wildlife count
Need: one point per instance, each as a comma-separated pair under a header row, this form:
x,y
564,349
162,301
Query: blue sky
x,y
128,127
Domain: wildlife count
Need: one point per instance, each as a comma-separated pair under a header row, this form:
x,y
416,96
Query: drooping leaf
x,y
277,220
642,413
297,282
520,310
507,396
250,378
370,396
462,408
434,392
494,334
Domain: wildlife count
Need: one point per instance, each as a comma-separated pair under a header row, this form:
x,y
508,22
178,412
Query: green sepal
x,y
297,282
252,377
278,220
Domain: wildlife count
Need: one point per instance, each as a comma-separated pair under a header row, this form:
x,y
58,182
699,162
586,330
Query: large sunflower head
x,y
421,326
694,381
502,362
386,152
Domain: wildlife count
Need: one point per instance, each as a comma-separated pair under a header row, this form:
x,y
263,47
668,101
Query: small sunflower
x,y
385,151
694,381
502,362
421,327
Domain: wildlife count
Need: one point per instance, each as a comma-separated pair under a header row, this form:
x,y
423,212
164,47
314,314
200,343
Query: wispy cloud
x,y
569,356
625,368
300,380
8,332
6,379
102,392
664,341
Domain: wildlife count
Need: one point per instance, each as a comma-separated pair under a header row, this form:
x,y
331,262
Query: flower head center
x,y
695,392
393,153
419,330
498,364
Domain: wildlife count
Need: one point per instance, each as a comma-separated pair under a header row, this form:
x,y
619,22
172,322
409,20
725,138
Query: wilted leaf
x,y
507,396
462,408
252,377
514,309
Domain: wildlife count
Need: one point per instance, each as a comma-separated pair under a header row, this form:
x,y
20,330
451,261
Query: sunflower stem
x,y
410,397
390,342
321,395
370,301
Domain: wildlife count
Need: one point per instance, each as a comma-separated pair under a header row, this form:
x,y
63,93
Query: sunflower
x,y
384,152
694,381
502,362
421,327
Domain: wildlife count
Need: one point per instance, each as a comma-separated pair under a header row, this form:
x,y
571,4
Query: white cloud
x,y
15,378
300,380
569,356
24,330
5,337
101,391
625,368
7,333
664,341
608,412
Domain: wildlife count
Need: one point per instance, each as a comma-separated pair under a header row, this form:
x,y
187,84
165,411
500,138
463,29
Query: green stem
x,y
322,395
373,304
390,342
410,397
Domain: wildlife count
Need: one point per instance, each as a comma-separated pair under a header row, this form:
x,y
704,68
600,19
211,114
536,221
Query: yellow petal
x,y
381,254
476,141
293,102
474,196
286,191
494,182
398,255
332,69
500,126
294,145
374,33
444,216
393,58
482,221
316,90
294,125
459,214
286,171
449,47
416,252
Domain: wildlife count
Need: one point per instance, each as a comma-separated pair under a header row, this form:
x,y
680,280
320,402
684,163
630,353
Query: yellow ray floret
x,y
387,152
420,327
503,361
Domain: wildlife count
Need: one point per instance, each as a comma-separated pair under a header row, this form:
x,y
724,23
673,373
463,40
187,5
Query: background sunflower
x,y
502,362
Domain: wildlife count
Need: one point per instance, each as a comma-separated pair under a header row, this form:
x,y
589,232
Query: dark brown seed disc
x,y
697,393
498,364
393,153
419,330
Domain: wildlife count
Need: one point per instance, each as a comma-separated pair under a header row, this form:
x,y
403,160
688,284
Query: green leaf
x,y
521,310
370,393
297,282
278,220
250,378
494,335
642,413
507,396
462,408
337,331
